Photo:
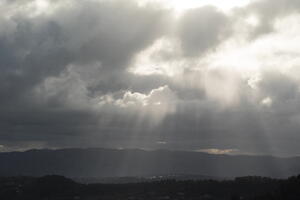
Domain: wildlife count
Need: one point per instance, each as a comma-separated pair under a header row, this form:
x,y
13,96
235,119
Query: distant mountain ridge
x,y
98,162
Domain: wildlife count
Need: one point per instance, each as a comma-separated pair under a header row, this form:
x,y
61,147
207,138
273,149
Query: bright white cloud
x,y
156,104
267,102
218,151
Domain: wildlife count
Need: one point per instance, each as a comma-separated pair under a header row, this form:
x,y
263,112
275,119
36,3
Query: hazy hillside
x,y
117,163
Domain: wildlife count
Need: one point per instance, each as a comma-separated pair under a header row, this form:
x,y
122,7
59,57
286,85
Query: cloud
x,y
267,12
202,29
159,103
267,102
126,75
58,63
43,46
218,151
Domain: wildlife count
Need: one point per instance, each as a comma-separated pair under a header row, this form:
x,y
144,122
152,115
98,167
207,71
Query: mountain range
x,y
100,163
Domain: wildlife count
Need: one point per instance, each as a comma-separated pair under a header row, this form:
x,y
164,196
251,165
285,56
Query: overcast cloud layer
x,y
140,74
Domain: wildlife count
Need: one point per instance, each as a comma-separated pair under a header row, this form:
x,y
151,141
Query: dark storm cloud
x,y
43,46
38,48
111,32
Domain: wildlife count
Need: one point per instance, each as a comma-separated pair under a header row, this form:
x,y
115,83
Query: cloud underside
x,y
138,75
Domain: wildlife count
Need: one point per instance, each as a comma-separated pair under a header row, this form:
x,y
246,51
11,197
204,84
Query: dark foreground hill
x,y
119,163
60,188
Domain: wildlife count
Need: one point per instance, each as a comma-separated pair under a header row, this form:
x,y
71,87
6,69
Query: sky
x,y
211,76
